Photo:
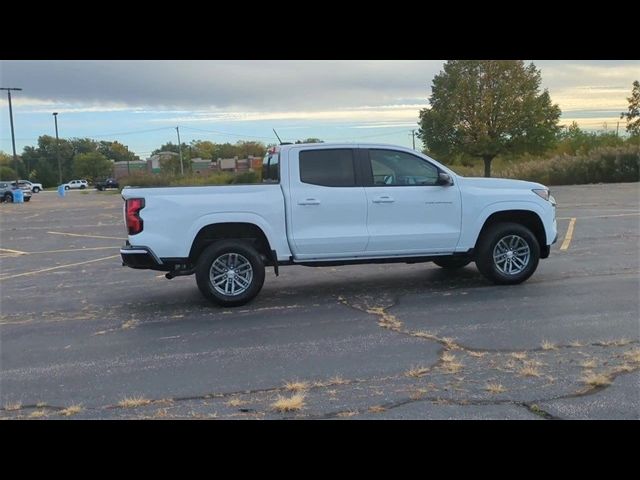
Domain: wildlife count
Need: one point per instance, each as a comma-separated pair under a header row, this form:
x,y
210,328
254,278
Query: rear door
x,y
408,212
328,210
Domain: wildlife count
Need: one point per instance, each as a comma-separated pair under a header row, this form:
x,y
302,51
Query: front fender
x,y
470,234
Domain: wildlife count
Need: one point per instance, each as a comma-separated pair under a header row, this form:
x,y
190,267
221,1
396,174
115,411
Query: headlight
x,y
542,193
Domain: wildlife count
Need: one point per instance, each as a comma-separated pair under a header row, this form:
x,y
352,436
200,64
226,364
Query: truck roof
x,y
343,144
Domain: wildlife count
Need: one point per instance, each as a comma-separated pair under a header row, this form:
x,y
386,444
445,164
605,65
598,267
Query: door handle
x,y
309,201
383,199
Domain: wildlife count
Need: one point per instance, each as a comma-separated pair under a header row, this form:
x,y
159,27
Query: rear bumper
x,y
141,257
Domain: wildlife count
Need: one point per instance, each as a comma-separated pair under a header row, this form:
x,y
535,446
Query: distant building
x,y
122,169
156,160
201,166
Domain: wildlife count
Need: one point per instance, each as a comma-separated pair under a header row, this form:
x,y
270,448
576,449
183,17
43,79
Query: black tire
x,y
36,190
26,199
452,263
8,197
487,243
66,187
82,187
213,252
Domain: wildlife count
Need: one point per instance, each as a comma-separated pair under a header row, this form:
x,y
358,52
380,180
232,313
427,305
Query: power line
x,y
395,132
227,133
133,132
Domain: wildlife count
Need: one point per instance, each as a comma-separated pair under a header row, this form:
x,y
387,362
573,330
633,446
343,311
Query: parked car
x,y
76,184
7,189
107,183
27,185
336,204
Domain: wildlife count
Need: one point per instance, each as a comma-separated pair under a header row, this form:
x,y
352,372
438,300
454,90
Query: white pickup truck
x,y
335,204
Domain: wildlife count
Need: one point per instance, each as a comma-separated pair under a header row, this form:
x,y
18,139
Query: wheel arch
x,y
243,231
526,218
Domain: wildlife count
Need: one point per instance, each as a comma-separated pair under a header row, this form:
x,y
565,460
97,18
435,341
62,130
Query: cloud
x,y
236,85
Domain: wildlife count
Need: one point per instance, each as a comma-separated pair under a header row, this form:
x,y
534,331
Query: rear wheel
x,y
452,263
230,273
66,187
8,197
507,253
36,189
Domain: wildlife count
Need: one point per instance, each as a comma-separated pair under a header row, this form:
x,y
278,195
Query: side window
x,y
391,168
271,167
327,167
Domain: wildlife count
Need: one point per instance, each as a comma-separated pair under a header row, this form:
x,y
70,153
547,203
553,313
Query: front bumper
x,y
141,257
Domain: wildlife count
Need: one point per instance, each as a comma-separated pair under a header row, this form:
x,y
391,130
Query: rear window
x,y
327,167
271,167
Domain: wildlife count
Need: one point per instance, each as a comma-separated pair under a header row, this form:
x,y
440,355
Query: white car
x,y
76,184
27,185
335,204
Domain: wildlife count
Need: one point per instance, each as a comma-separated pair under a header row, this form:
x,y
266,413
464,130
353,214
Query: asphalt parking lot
x,y
83,337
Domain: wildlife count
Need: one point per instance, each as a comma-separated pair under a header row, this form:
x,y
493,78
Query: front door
x,y
408,213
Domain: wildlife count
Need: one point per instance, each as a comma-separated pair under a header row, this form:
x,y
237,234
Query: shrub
x,y
168,180
602,165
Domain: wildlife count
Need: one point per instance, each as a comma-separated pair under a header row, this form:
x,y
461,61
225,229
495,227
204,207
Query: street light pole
x,y
13,136
55,118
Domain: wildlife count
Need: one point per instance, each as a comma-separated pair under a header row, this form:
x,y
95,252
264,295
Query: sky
x,y
139,103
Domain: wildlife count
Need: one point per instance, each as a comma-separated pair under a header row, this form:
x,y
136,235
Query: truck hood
x,y
505,183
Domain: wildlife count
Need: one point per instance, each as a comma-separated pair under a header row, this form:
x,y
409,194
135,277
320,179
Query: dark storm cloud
x,y
255,85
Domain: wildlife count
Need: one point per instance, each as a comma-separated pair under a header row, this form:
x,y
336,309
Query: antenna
x,y
274,131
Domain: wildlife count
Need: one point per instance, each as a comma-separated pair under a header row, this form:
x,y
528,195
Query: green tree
x,y
7,173
633,114
92,166
83,145
116,151
203,149
485,108
47,150
171,147
171,164
245,149
44,173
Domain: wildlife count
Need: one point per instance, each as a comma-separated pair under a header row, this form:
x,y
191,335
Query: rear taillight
x,y
132,209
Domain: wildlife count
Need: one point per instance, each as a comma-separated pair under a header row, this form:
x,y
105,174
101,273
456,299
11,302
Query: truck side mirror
x,y
444,179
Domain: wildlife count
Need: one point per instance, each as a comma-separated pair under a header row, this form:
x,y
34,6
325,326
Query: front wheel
x,y
26,199
36,190
66,188
508,253
452,263
8,197
230,273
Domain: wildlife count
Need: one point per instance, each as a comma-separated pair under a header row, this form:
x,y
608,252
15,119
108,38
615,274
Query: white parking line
x,y
602,216
569,235
57,267
86,236
17,252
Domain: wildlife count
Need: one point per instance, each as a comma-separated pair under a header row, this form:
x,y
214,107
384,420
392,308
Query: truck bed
x,y
173,216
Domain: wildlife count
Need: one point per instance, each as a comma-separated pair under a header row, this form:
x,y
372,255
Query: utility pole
x,y
55,119
180,150
617,128
413,138
13,136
